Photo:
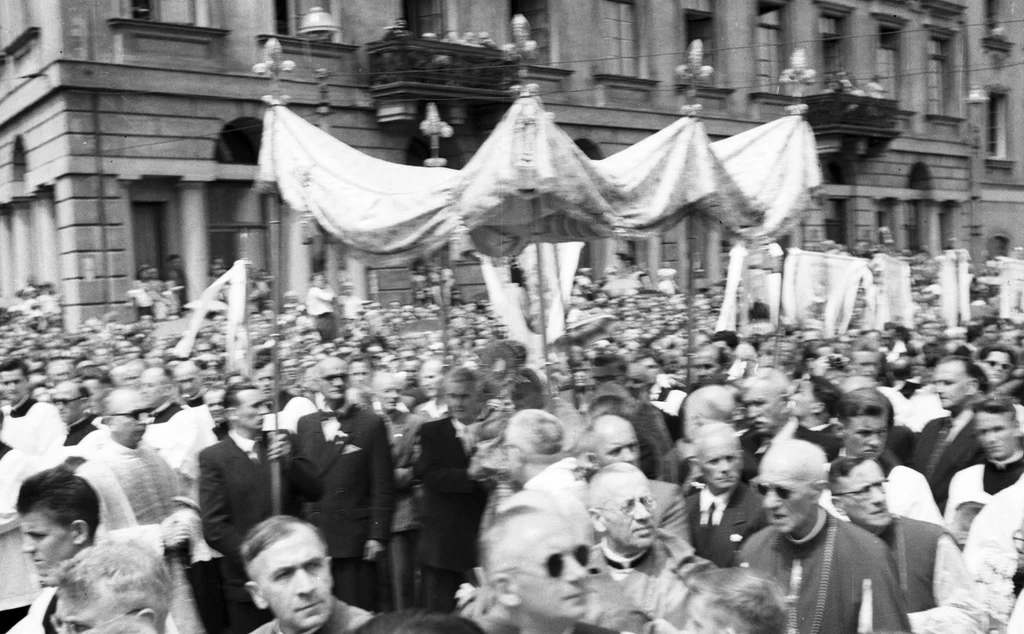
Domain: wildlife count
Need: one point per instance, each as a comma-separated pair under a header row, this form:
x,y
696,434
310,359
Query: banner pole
x,y
689,300
275,467
536,204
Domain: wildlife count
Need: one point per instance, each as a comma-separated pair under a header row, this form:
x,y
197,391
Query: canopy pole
x,y
537,209
690,282
435,129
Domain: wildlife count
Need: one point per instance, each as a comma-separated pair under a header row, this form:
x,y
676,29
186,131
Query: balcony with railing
x,y
405,70
845,121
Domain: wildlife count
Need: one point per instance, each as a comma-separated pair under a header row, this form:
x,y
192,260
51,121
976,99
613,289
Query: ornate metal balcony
x,y
844,121
405,70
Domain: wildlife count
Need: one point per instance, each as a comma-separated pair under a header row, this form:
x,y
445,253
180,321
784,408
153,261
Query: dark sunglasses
x,y
555,564
138,414
331,378
59,402
784,493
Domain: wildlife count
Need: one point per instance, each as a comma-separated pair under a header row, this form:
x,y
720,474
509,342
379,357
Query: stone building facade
x,y
129,129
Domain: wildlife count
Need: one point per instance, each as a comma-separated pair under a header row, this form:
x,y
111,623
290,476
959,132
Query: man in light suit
x,y
725,511
235,493
350,449
453,503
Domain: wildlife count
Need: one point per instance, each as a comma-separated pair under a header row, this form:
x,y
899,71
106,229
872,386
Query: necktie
x,y
941,441
709,520
254,453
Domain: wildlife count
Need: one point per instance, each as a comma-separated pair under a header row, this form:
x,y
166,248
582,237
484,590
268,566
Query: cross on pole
x,y
797,76
693,73
436,128
274,66
521,50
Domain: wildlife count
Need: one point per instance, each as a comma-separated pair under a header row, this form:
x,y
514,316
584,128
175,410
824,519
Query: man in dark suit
x,y
349,447
771,416
453,503
235,493
725,511
948,444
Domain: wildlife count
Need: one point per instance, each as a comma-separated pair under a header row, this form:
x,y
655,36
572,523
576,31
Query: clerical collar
x,y
1001,465
196,402
619,562
81,422
820,524
165,412
21,409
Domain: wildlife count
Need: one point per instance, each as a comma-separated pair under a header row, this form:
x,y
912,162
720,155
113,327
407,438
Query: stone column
x,y
934,237
195,236
654,257
7,287
899,221
714,253
47,256
22,229
357,275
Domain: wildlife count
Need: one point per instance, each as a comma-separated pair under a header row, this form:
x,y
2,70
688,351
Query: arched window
x,y
916,217
239,142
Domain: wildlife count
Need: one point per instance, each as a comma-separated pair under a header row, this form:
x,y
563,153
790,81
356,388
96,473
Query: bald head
x,y
709,404
716,435
770,378
535,432
797,460
615,481
614,440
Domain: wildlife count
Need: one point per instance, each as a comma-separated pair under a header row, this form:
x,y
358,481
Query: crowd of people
x,y
365,473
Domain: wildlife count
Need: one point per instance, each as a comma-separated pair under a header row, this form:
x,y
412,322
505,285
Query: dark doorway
x,y
148,238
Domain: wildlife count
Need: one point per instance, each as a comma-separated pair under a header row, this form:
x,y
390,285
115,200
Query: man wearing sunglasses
x,y
937,586
630,559
72,401
350,448
996,430
998,362
820,560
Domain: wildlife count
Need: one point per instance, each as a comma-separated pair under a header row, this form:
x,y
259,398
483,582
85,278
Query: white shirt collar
x,y
625,562
721,501
1001,464
244,444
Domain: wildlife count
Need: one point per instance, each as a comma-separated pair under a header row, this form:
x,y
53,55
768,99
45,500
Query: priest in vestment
x,y
819,560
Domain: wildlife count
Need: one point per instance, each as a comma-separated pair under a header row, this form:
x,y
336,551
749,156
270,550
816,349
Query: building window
x,y
701,26
887,60
836,221
536,13
426,16
997,126
912,226
938,76
884,217
768,43
992,13
170,11
618,24
947,226
830,30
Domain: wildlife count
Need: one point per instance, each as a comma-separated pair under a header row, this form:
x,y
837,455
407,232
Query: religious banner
x,y
821,288
894,300
234,284
955,281
1011,289
518,305
727,318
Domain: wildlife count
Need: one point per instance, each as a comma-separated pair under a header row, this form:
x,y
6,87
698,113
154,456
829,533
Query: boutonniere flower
x,y
735,538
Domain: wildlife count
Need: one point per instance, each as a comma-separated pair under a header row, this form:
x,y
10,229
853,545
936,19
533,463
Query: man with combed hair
x,y
734,600
534,562
822,561
867,419
612,439
630,559
766,396
537,438
724,511
28,425
936,584
709,404
453,503
290,574
59,513
111,580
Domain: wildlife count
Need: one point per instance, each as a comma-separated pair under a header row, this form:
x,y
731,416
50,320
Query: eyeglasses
x,y
628,507
60,402
63,627
331,378
864,491
783,492
141,414
555,564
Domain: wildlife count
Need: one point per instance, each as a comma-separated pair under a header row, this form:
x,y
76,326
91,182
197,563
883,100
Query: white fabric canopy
x,y
529,181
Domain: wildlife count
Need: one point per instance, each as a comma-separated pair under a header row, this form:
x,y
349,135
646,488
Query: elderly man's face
x,y
954,385
464,401
766,407
616,441
78,616
128,415
333,379
790,496
865,436
625,517
68,399
292,578
705,365
861,495
721,461
154,387
189,382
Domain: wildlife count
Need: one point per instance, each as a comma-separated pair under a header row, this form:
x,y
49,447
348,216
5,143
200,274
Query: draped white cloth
x,y
955,280
894,300
1011,289
823,287
530,182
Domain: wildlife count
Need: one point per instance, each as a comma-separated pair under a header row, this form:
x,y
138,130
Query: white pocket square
x,y
351,449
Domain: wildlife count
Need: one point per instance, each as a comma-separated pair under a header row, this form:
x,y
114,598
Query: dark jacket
x,y
957,455
452,503
235,495
357,479
830,444
742,517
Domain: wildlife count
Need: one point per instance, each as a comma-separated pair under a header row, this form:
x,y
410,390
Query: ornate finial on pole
x,y
435,128
521,50
798,76
692,73
274,66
